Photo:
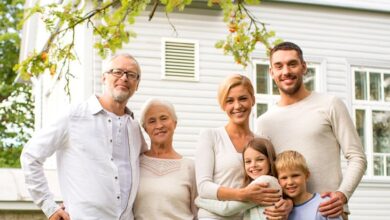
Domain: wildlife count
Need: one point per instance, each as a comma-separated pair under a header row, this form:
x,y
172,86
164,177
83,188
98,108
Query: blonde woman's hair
x,y
233,81
290,159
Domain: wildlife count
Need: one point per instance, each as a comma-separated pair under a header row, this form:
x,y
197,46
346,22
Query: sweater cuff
x,y
49,207
345,194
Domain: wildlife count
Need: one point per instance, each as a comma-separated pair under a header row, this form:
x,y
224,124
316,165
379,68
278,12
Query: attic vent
x,y
180,59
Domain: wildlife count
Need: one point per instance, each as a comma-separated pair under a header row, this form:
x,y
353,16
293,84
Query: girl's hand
x,y
280,210
260,194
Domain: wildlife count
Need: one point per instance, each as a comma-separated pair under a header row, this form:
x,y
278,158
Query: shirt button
x,y
111,140
109,120
118,197
112,159
116,177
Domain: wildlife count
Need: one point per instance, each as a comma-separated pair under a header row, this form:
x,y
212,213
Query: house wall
x,y
335,38
22,215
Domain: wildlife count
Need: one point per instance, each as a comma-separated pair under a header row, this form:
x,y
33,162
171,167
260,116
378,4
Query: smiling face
x,y
238,104
120,89
159,125
255,163
287,71
293,182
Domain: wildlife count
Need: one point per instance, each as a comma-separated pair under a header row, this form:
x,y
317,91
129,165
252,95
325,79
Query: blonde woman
x,y
219,172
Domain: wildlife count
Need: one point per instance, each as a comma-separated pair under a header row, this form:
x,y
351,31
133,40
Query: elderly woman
x,y
167,186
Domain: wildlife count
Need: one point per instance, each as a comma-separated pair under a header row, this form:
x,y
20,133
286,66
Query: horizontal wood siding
x,y
371,201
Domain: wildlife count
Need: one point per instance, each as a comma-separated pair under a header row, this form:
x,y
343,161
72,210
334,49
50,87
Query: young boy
x,y
293,174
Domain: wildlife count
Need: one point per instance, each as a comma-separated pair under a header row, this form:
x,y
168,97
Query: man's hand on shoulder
x,y
60,214
334,206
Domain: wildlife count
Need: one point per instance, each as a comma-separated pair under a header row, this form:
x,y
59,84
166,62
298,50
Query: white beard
x,y
120,96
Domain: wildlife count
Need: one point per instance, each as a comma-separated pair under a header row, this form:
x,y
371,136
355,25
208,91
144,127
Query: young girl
x,y
258,157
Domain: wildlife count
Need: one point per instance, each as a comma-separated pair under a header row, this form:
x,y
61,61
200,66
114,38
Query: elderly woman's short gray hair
x,y
153,102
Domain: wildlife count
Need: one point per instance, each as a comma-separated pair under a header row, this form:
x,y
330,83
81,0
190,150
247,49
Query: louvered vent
x,y
180,60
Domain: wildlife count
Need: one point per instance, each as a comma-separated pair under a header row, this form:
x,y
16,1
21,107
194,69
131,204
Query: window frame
x,y
368,106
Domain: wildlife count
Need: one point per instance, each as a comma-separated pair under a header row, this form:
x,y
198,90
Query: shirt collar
x,y
96,107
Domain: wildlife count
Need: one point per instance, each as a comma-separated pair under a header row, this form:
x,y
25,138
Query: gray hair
x,y
155,101
107,63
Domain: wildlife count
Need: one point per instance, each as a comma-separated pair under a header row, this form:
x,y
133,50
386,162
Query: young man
x,y
97,144
316,125
293,174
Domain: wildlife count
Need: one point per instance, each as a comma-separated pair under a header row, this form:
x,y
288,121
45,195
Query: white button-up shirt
x,y
121,155
82,141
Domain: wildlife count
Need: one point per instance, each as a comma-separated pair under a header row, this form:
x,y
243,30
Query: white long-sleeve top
x,y
319,127
228,208
217,163
88,176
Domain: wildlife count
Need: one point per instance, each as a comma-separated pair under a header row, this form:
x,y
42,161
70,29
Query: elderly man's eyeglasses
x,y
119,73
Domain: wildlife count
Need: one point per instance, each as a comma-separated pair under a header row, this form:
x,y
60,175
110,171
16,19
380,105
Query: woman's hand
x,y
259,193
280,210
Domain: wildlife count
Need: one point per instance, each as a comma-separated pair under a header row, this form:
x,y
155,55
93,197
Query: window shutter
x,y
180,59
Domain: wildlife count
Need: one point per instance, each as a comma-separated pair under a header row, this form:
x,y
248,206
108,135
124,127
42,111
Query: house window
x,y
267,92
180,59
372,117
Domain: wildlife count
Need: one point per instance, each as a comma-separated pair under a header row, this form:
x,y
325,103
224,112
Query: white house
x,y
345,42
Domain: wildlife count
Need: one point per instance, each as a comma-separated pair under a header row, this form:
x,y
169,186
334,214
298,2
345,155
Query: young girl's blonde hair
x,y
265,147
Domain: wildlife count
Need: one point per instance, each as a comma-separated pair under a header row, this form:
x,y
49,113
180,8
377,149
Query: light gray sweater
x,y
318,127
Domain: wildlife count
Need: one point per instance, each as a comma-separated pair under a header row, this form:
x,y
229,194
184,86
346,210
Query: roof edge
x,y
365,6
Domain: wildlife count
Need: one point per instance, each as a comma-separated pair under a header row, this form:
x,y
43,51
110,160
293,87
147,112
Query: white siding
x,y
371,201
374,5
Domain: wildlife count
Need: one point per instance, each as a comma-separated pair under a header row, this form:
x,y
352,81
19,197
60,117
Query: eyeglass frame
x,y
123,72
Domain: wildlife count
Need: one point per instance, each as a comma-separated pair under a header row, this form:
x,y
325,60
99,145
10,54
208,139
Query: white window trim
x,y
368,107
196,59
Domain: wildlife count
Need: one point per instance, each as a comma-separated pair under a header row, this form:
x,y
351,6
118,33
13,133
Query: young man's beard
x,y
294,89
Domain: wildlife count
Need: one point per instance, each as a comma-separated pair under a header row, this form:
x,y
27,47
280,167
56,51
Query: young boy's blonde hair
x,y
290,159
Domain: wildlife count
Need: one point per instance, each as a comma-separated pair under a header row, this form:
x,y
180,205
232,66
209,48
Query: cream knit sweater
x,y
319,127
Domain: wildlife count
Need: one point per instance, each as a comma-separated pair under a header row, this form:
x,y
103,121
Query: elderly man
x,y
97,144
